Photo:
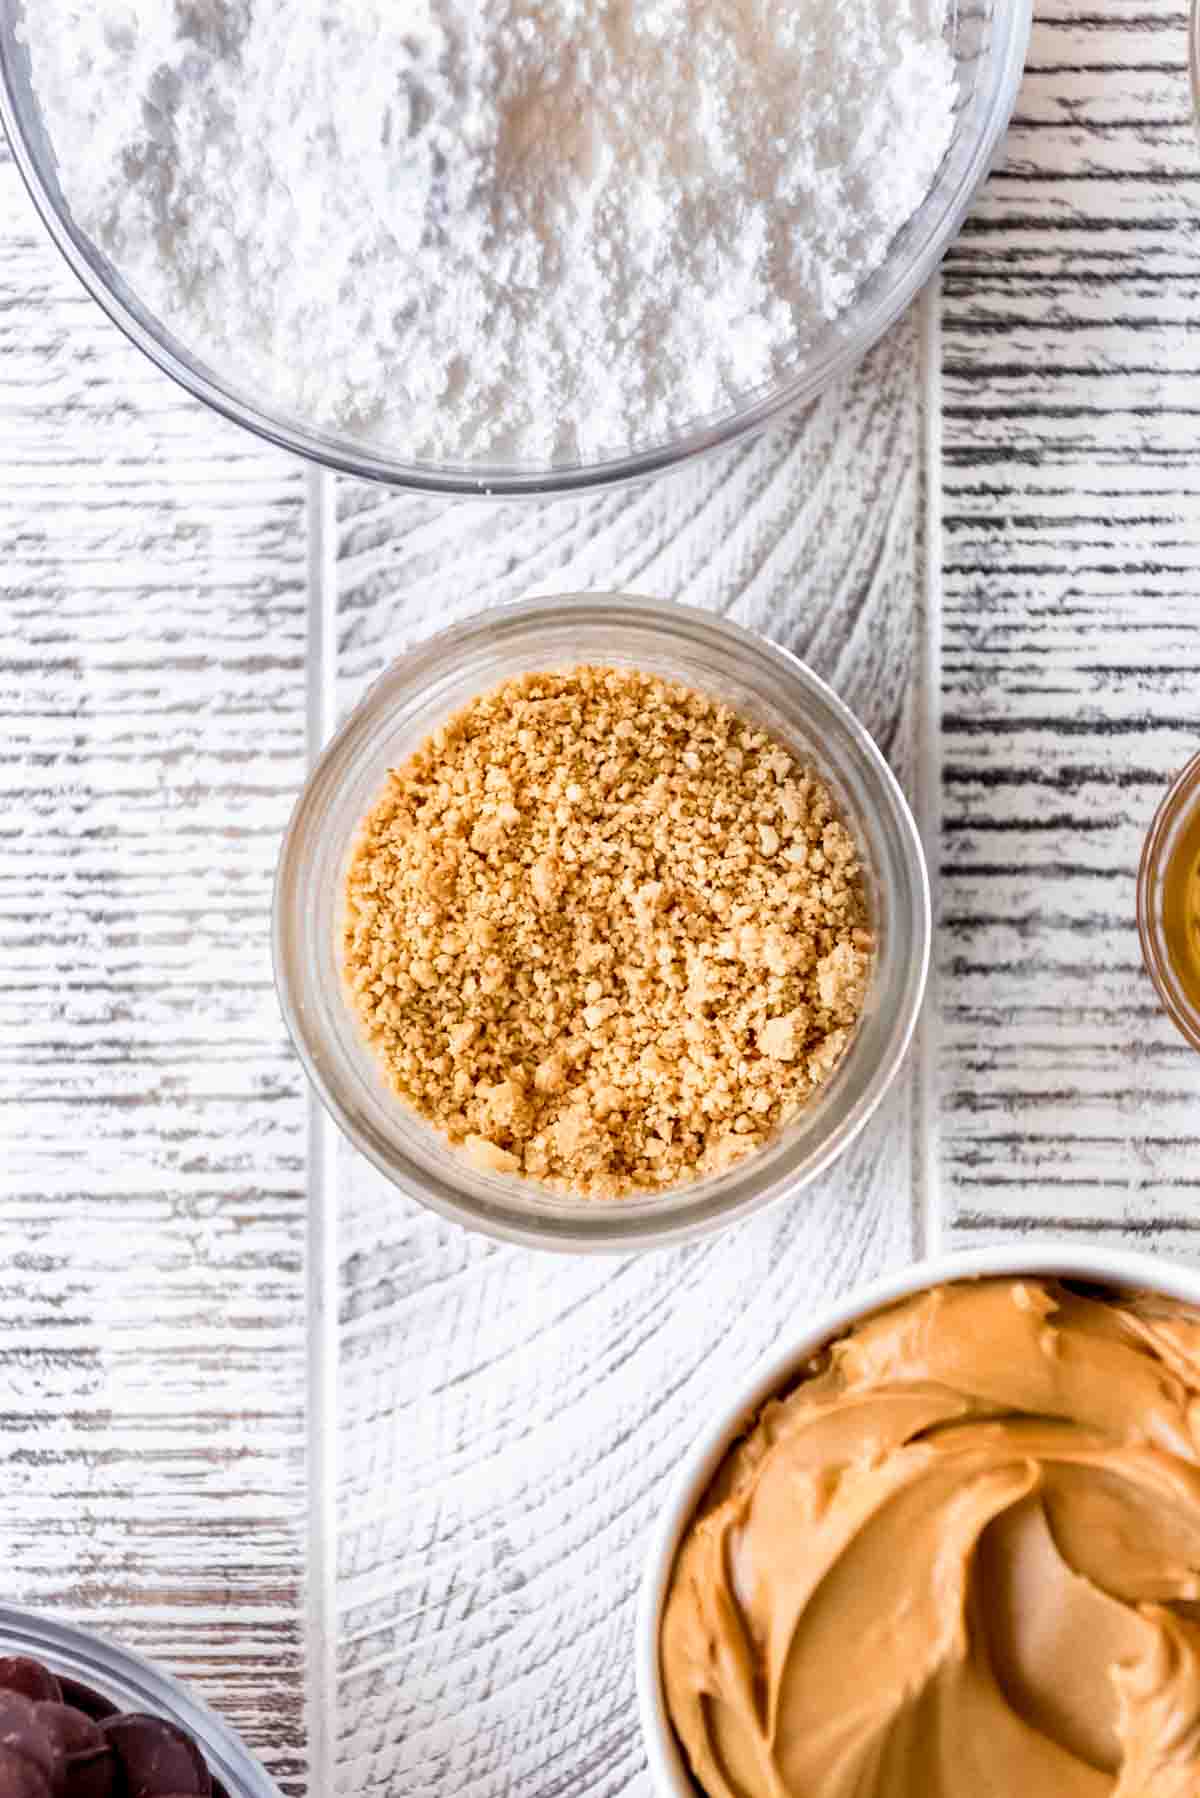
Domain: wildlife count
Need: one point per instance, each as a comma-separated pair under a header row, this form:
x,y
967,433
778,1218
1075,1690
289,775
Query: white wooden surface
x,y
1070,642
152,1170
507,1420
381,1487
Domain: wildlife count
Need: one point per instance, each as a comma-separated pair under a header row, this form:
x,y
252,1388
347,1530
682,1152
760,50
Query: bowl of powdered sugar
x,y
505,245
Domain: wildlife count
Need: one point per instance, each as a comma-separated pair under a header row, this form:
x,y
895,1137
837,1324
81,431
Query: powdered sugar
x,y
526,228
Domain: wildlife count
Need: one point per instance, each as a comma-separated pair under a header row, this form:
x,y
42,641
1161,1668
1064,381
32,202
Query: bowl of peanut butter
x,y
945,1543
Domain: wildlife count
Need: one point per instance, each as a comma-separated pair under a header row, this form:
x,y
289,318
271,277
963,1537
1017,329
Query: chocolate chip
x,y
22,1735
19,1778
71,1729
20,1674
87,1700
158,1759
91,1777
89,1764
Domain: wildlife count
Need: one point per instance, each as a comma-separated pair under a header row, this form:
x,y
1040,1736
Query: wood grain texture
x,y
508,1420
1071,637
152,1180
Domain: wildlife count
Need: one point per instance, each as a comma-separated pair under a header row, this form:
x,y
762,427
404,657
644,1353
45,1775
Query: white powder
x,y
537,228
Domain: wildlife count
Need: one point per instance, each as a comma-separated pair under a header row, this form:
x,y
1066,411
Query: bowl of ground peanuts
x,y
601,922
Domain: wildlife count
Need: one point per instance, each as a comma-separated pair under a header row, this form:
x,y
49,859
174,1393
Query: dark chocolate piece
x,y
20,1674
95,1776
70,1728
19,1778
86,1699
157,1758
89,1763
22,1735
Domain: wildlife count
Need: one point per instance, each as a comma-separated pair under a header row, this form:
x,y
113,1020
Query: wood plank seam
x,y
927,765
321,1267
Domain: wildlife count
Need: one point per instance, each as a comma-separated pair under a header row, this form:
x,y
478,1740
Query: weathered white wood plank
x,y
1071,569
509,1420
152,1180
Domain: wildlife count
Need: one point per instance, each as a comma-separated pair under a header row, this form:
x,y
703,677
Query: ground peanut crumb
x,y
604,932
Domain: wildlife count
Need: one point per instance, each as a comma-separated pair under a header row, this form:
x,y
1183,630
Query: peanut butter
x,y
605,933
960,1558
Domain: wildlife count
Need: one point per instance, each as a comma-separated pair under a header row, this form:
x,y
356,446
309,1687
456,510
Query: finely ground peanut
x,y
604,932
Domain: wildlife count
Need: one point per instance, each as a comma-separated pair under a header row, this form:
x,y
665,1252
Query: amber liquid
x,y
1181,908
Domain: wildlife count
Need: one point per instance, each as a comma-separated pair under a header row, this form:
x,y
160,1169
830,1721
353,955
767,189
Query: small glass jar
x,y
437,678
1174,836
128,1683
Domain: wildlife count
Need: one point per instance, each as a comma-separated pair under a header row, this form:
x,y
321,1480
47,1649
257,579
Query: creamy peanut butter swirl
x,y
961,1560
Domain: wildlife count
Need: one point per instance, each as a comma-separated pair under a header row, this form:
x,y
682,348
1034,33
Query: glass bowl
x,y
1177,815
131,1684
434,680
988,38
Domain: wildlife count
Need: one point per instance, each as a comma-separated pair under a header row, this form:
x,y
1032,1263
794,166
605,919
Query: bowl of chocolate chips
x,y
81,1718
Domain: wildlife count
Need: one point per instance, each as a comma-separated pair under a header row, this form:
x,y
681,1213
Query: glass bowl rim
x,y
88,1656
337,451
617,1226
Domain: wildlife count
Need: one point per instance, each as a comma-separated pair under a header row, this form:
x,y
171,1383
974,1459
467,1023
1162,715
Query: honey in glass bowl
x,y
1169,901
1181,908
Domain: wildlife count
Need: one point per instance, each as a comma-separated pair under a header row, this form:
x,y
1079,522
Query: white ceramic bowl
x,y
1114,1267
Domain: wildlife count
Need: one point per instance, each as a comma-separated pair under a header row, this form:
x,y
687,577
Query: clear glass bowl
x,y
132,1684
1177,815
419,691
988,38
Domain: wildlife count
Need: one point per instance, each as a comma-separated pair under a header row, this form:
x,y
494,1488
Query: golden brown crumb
x,y
605,932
